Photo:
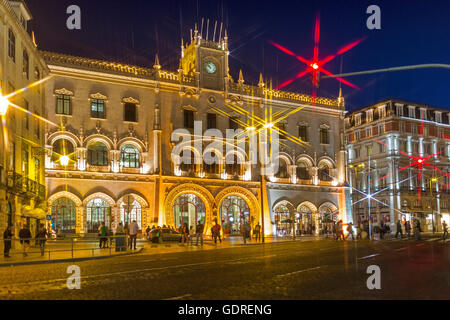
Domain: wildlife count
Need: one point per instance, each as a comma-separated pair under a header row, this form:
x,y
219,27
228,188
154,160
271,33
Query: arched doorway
x,y
188,209
306,220
131,210
327,219
63,216
283,221
234,213
97,211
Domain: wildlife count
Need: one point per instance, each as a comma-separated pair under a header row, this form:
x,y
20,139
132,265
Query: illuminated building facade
x,y
22,192
111,159
402,140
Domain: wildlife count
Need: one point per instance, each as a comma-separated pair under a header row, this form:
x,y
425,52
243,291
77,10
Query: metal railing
x,y
67,248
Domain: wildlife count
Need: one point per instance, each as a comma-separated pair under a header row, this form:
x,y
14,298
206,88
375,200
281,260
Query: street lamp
x,y
4,103
64,160
435,180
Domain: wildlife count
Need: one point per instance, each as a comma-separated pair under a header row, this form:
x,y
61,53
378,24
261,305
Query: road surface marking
x,y
368,257
296,272
433,239
400,249
419,245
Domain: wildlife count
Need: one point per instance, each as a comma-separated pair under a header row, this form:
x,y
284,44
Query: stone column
x,y
81,228
81,158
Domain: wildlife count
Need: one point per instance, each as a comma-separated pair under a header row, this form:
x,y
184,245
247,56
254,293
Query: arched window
x,y
129,156
282,169
307,223
324,172
64,215
213,167
283,220
97,211
233,167
188,209
187,165
97,154
62,147
303,170
131,210
234,213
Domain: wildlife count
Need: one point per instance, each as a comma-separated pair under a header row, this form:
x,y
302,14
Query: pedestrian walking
x,y
133,230
42,238
7,236
350,231
147,232
25,236
417,229
191,235
216,232
125,229
199,232
408,229
184,233
257,232
444,227
120,238
103,234
399,230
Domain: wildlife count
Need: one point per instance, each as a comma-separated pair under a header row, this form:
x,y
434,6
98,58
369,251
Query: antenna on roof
x,y
201,29
220,33
215,27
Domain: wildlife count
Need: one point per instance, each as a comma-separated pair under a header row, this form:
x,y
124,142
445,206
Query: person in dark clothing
x,y
399,229
216,232
199,232
408,229
103,234
7,236
25,236
42,237
444,228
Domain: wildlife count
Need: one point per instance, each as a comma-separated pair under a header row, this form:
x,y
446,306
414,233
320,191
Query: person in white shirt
x,y
133,230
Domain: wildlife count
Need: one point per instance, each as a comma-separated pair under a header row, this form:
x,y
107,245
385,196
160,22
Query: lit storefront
x,y
188,209
235,213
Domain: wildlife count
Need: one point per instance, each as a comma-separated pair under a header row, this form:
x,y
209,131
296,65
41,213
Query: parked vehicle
x,y
167,235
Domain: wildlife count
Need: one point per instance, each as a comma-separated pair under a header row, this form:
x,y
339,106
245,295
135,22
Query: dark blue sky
x,y
132,31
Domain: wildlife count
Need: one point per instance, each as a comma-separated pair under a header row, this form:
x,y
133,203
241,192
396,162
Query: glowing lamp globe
x,y
4,103
315,66
64,160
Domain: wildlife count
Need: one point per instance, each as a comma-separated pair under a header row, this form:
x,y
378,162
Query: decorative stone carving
x,y
98,96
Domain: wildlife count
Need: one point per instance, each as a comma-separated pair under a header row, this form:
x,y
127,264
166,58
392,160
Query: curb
x,y
13,264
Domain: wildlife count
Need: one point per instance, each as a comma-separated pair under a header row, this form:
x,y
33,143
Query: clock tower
x,y
206,60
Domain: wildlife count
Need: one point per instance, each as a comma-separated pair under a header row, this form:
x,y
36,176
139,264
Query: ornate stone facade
x,y
116,129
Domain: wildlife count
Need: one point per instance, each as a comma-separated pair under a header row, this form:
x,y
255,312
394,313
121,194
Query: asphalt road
x,y
318,269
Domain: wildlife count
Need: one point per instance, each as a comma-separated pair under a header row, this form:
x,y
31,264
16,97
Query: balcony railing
x,y
20,184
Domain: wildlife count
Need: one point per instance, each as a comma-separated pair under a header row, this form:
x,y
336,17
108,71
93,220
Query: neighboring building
x,y
399,136
22,194
111,159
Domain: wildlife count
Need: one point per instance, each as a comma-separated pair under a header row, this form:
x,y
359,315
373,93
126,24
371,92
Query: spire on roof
x,y
261,81
156,66
241,77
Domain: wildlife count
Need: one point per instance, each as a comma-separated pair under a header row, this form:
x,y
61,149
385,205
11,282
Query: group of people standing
x,y
129,231
25,237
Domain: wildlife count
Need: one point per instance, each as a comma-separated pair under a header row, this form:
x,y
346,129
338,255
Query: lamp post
x,y
435,180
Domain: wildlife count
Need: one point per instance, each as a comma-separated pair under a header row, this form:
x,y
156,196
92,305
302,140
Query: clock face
x,y
210,67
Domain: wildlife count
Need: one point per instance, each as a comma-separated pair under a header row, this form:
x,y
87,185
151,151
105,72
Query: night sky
x,y
132,31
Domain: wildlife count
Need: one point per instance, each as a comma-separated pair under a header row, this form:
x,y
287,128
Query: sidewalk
x,y
172,247
61,250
